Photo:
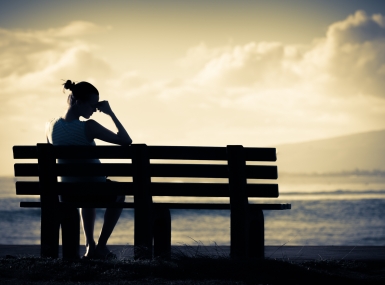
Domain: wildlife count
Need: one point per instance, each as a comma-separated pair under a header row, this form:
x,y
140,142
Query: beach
x,y
284,253
20,264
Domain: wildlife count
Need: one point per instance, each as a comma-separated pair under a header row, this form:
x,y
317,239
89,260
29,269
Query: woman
x,y
69,130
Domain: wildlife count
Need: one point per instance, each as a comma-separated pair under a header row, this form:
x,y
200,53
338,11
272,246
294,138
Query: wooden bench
x,y
152,222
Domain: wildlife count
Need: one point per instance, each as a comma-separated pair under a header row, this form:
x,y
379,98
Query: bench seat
x,y
152,221
175,206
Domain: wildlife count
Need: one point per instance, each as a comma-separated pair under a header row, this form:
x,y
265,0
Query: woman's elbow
x,y
127,142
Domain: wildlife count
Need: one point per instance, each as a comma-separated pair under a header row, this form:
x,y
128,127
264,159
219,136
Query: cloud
x,y
331,86
357,28
35,61
348,61
26,51
250,64
356,54
259,93
33,64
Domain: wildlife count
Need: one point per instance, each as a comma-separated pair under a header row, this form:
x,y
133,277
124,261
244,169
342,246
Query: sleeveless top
x,y
61,132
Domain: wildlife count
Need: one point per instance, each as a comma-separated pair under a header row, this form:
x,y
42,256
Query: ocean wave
x,y
336,192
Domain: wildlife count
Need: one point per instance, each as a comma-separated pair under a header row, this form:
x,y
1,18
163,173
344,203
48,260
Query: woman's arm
x,y
94,130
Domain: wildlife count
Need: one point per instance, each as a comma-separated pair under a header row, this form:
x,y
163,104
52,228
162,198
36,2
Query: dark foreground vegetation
x,y
188,270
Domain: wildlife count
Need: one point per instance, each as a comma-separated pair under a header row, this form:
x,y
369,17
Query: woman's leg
x,y
88,222
111,217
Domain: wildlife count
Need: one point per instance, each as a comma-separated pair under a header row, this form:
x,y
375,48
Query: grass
x,y
190,266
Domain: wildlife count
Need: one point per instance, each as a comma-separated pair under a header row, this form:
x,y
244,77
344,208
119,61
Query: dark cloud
x,y
358,28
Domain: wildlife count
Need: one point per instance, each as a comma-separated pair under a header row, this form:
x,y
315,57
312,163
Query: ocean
x,y
326,210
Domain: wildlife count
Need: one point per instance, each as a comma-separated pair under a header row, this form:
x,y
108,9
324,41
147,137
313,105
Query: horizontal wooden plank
x,y
209,153
270,206
85,152
156,170
213,206
94,169
189,170
189,189
155,152
26,169
261,172
80,188
76,152
187,152
260,154
185,206
77,169
210,190
24,152
157,189
27,188
262,190
81,205
211,171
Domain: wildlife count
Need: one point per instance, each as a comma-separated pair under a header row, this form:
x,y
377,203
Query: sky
x,y
256,73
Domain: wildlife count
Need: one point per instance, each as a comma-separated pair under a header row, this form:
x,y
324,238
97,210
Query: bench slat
x,y
212,206
81,205
77,169
260,154
103,151
187,152
157,170
183,206
210,190
26,169
85,188
209,153
261,172
94,169
210,171
155,152
157,189
76,152
189,170
24,152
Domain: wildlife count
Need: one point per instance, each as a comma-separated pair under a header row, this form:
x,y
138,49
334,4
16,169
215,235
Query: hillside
x,y
364,151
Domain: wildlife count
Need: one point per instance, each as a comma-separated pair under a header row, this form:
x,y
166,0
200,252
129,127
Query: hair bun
x,y
69,85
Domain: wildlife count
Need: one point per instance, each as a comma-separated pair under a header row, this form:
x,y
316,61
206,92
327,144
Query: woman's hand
x,y
104,107
96,131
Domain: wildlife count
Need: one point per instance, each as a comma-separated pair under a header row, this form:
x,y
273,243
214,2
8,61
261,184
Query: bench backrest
x,y
140,167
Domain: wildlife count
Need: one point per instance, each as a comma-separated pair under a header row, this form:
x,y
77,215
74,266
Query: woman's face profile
x,y
87,108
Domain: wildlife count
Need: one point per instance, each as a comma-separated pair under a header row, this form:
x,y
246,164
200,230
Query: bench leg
x,y
256,246
239,231
70,226
143,234
162,233
49,234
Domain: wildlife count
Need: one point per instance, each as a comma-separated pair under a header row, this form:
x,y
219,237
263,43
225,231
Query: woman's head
x,y
82,91
84,96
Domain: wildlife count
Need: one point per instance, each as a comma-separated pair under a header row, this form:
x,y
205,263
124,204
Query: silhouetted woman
x,y
69,130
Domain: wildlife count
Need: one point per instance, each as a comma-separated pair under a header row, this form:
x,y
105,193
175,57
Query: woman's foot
x,y
102,252
90,251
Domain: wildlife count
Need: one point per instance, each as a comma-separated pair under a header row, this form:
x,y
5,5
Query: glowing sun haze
x,y
257,73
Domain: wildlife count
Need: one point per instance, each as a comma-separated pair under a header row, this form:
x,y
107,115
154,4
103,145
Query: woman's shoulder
x,y
50,123
53,120
62,121
90,123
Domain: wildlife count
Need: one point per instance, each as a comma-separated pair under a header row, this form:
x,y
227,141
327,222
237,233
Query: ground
x,y
188,270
